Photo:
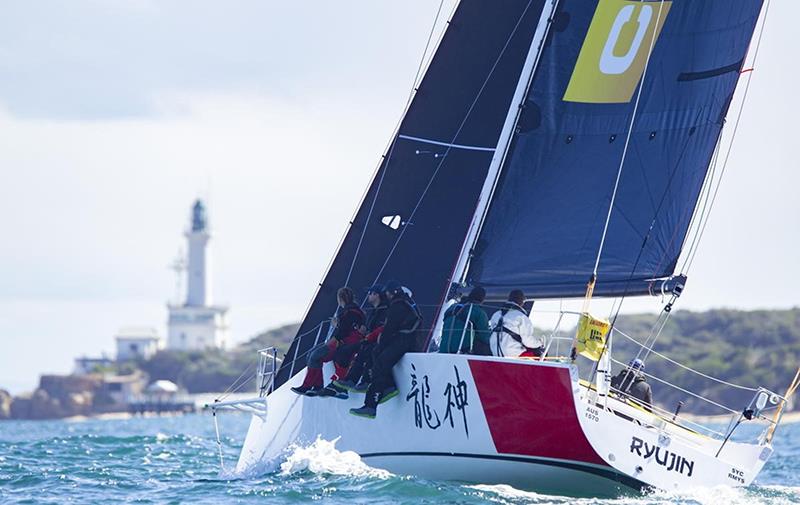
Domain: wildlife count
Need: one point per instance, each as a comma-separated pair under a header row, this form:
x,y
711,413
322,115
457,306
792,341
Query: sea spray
x,y
116,461
321,457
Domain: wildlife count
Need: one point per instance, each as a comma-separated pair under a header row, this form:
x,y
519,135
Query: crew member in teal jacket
x,y
468,320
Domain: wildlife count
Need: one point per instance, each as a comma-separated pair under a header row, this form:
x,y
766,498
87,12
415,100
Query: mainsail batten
x,y
415,215
545,221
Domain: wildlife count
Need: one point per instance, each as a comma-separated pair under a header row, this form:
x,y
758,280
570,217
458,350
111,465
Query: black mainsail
x,y
412,222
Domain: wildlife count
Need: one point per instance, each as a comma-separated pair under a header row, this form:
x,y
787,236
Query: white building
x,y
137,342
85,365
197,324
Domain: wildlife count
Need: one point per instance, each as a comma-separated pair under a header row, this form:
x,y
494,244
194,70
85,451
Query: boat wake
x,y
699,496
322,457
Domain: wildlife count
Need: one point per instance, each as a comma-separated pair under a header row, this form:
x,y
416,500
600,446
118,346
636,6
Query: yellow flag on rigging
x,y
591,336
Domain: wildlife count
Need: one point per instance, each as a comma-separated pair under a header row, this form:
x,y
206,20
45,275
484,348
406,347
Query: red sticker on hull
x,y
530,410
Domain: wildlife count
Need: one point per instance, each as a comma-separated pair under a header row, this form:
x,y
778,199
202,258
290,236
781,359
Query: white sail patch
x,y
392,222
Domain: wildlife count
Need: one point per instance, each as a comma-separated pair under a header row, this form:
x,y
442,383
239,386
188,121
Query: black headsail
x,y
543,228
413,220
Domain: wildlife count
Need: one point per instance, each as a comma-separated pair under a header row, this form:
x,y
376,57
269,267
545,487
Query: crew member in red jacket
x,y
339,348
358,377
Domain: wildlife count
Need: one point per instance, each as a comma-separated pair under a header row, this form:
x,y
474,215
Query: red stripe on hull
x,y
530,410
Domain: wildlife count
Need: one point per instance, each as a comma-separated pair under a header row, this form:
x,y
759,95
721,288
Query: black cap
x,y
375,288
393,287
477,294
517,296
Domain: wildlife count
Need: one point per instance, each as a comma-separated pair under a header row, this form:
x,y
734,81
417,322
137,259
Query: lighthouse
x,y
198,291
197,323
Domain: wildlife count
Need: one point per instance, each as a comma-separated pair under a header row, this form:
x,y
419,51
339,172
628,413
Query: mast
x,y
504,142
445,140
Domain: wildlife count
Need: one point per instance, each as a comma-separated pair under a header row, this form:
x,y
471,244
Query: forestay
x,y
544,224
412,222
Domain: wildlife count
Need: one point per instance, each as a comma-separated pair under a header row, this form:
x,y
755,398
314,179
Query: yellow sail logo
x,y
614,52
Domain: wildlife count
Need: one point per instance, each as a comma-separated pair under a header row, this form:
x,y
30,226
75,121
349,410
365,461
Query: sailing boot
x,y
387,394
312,384
307,390
370,403
361,387
344,383
363,384
334,391
368,412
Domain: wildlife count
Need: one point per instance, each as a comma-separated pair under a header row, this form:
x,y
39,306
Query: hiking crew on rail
x,y
364,349
343,343
399,336
360,374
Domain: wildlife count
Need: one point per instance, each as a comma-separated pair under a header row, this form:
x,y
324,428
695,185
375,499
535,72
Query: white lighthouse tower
x,y
197,324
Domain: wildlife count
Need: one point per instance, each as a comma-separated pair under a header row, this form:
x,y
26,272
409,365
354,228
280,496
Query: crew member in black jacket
x,y
398,337
358,377
632,382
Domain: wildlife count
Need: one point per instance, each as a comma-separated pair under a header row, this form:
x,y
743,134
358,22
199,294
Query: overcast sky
x,y
115,115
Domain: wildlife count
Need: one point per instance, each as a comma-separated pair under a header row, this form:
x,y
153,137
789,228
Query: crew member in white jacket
x,y
512,330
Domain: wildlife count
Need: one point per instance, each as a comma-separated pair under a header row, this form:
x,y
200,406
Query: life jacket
x,y
350,334
408,328
376,316
500,328
413,321
461,313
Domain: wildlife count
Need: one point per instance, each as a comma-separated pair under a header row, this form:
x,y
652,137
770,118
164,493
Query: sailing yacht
x,y
560,147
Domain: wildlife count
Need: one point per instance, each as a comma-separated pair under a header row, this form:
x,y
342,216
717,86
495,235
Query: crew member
x,y
512,330
465,327
398,337
357,378
632,382
338,348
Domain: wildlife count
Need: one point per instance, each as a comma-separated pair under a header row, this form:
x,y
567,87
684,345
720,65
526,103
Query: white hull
x,y
489,420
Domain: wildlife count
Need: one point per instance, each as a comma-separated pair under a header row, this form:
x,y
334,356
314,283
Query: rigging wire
x,y
389,151
702,228
699,217
687,368
235,384
411,94
706,207
476,227
627,140
449,147
682,390
592,280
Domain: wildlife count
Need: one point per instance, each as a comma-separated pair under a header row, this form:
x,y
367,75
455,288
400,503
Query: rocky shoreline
x,y
90,395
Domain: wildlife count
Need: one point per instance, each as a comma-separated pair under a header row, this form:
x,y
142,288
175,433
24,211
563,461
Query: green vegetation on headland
x,y
749,348
215,370
120,387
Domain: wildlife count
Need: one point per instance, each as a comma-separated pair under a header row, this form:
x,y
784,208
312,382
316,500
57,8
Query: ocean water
x,y
176,460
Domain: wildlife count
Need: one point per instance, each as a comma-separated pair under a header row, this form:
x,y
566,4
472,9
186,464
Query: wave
x,y
756,495
322,457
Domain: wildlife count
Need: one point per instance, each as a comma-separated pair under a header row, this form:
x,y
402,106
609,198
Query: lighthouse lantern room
x,y
198,323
